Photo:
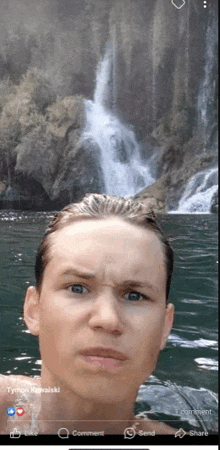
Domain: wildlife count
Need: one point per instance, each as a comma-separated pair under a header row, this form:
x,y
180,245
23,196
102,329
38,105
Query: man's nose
x,y
107,314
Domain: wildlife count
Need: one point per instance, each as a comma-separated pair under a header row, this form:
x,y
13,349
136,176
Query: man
x,y
100,308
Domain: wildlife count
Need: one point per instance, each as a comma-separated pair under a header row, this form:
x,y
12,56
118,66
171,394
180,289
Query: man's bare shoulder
x,y
17,380
11,386
157,427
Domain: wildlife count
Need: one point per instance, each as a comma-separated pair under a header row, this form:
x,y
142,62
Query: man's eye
x,y
134,296
78,289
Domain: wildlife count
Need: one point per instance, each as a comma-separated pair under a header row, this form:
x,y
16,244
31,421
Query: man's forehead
x,y
114,253
112,228
109,240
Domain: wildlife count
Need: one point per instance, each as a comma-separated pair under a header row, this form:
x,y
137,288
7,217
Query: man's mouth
x,y
103,357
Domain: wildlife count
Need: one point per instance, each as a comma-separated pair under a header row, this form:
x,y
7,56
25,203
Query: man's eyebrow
x,y
91,275
141,284
79,273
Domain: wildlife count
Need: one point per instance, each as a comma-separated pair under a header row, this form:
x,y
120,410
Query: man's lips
x,y
104,358
104,352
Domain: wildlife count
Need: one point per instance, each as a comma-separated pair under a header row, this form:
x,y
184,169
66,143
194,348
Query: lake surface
x,y
185,381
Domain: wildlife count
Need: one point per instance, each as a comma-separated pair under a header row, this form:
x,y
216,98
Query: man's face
x,y
104,286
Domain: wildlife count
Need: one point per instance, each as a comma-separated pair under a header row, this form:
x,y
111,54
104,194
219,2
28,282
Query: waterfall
x,y
199,192
123,170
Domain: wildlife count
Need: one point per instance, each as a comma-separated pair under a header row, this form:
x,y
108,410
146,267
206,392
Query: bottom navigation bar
x,y
109,447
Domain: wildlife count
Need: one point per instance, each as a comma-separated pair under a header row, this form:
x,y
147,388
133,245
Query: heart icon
x,y
20,411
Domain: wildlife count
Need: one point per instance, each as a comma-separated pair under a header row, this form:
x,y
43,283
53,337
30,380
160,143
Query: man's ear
x,y
168,323
31,310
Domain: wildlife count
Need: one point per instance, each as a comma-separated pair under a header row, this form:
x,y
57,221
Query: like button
x,y
15,434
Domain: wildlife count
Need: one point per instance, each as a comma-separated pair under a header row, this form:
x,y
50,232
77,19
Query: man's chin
x,y
98,389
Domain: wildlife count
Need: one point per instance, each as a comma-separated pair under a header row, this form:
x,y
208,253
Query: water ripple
x,y
207,363
186,343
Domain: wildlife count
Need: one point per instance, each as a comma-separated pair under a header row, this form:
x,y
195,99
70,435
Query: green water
x,y
186,375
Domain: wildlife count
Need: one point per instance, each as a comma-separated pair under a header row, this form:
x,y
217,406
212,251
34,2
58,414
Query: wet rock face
x,y
43,161
79,174
37,157
214,205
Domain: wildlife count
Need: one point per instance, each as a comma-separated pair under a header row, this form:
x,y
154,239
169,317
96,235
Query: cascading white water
x,y
199,192
124,172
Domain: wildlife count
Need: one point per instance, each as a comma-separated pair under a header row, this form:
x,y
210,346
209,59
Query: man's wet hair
x,y
101,207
